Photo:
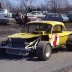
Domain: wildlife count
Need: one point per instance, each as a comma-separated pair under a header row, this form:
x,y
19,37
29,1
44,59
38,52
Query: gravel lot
x,y
60,60
66,69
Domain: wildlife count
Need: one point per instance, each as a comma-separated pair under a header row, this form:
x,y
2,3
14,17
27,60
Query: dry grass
x,y
68,26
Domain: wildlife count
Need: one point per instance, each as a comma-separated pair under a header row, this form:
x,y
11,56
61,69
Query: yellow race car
x,y
38,38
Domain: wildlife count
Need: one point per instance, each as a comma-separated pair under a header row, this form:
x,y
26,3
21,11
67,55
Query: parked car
x,y
65,18
70,17
29,14
56,17
5,16
38,38
38,14
33,18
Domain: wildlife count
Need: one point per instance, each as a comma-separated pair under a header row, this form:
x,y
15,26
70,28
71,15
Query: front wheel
x,y
43,50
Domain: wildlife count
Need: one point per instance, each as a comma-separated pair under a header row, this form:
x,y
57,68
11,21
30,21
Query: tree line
x,y
56,6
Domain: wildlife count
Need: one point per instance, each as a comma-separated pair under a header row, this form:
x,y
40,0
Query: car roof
x,y
48,22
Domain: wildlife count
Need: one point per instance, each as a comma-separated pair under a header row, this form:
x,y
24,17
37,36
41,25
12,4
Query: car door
x,y
61,35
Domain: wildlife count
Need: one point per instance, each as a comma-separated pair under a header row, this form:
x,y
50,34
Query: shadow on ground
x,y
28,58
11,57
17,57
59,50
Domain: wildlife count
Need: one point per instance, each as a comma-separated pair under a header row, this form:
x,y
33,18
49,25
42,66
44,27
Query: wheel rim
x,y
48,51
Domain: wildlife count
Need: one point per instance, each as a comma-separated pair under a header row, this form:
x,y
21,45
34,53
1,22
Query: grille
x,y
16,42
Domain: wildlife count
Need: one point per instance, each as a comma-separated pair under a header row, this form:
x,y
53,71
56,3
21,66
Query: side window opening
x,y
62,28
57,29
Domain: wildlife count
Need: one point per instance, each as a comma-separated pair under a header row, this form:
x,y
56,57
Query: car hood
x,y
24,35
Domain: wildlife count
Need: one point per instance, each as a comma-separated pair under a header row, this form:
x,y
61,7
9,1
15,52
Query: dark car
x,y
56,17
69,15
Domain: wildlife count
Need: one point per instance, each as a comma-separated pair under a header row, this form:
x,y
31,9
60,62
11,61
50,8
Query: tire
x,y
69,43
43,50
69,47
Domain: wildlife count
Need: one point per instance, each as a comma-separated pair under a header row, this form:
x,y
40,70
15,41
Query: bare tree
x,y
24,4
6,4
56,5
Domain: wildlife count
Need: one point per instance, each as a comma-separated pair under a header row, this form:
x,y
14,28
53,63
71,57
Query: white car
x,y
65,18
5,16
37,14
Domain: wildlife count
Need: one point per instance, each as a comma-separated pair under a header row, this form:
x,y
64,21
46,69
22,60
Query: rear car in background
x,y
38,14
56,17
33,17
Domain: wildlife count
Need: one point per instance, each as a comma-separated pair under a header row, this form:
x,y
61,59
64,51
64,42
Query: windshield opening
x,y
31,27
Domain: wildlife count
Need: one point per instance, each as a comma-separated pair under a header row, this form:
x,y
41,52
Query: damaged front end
x,y
20,46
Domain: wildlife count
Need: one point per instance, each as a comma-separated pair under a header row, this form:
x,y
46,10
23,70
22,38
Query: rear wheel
x,y
69,47
43,50
69,43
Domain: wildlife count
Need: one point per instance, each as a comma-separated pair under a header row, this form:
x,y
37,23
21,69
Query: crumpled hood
x,y
24,35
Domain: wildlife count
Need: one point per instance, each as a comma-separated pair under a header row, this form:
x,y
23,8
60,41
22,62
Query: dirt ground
x,y
6,30
68,26
66,69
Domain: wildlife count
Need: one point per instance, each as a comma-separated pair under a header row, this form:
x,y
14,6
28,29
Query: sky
x,y
35,2
70,2
38,2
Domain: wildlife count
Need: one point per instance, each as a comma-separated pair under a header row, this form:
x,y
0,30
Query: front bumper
x,y
14,48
